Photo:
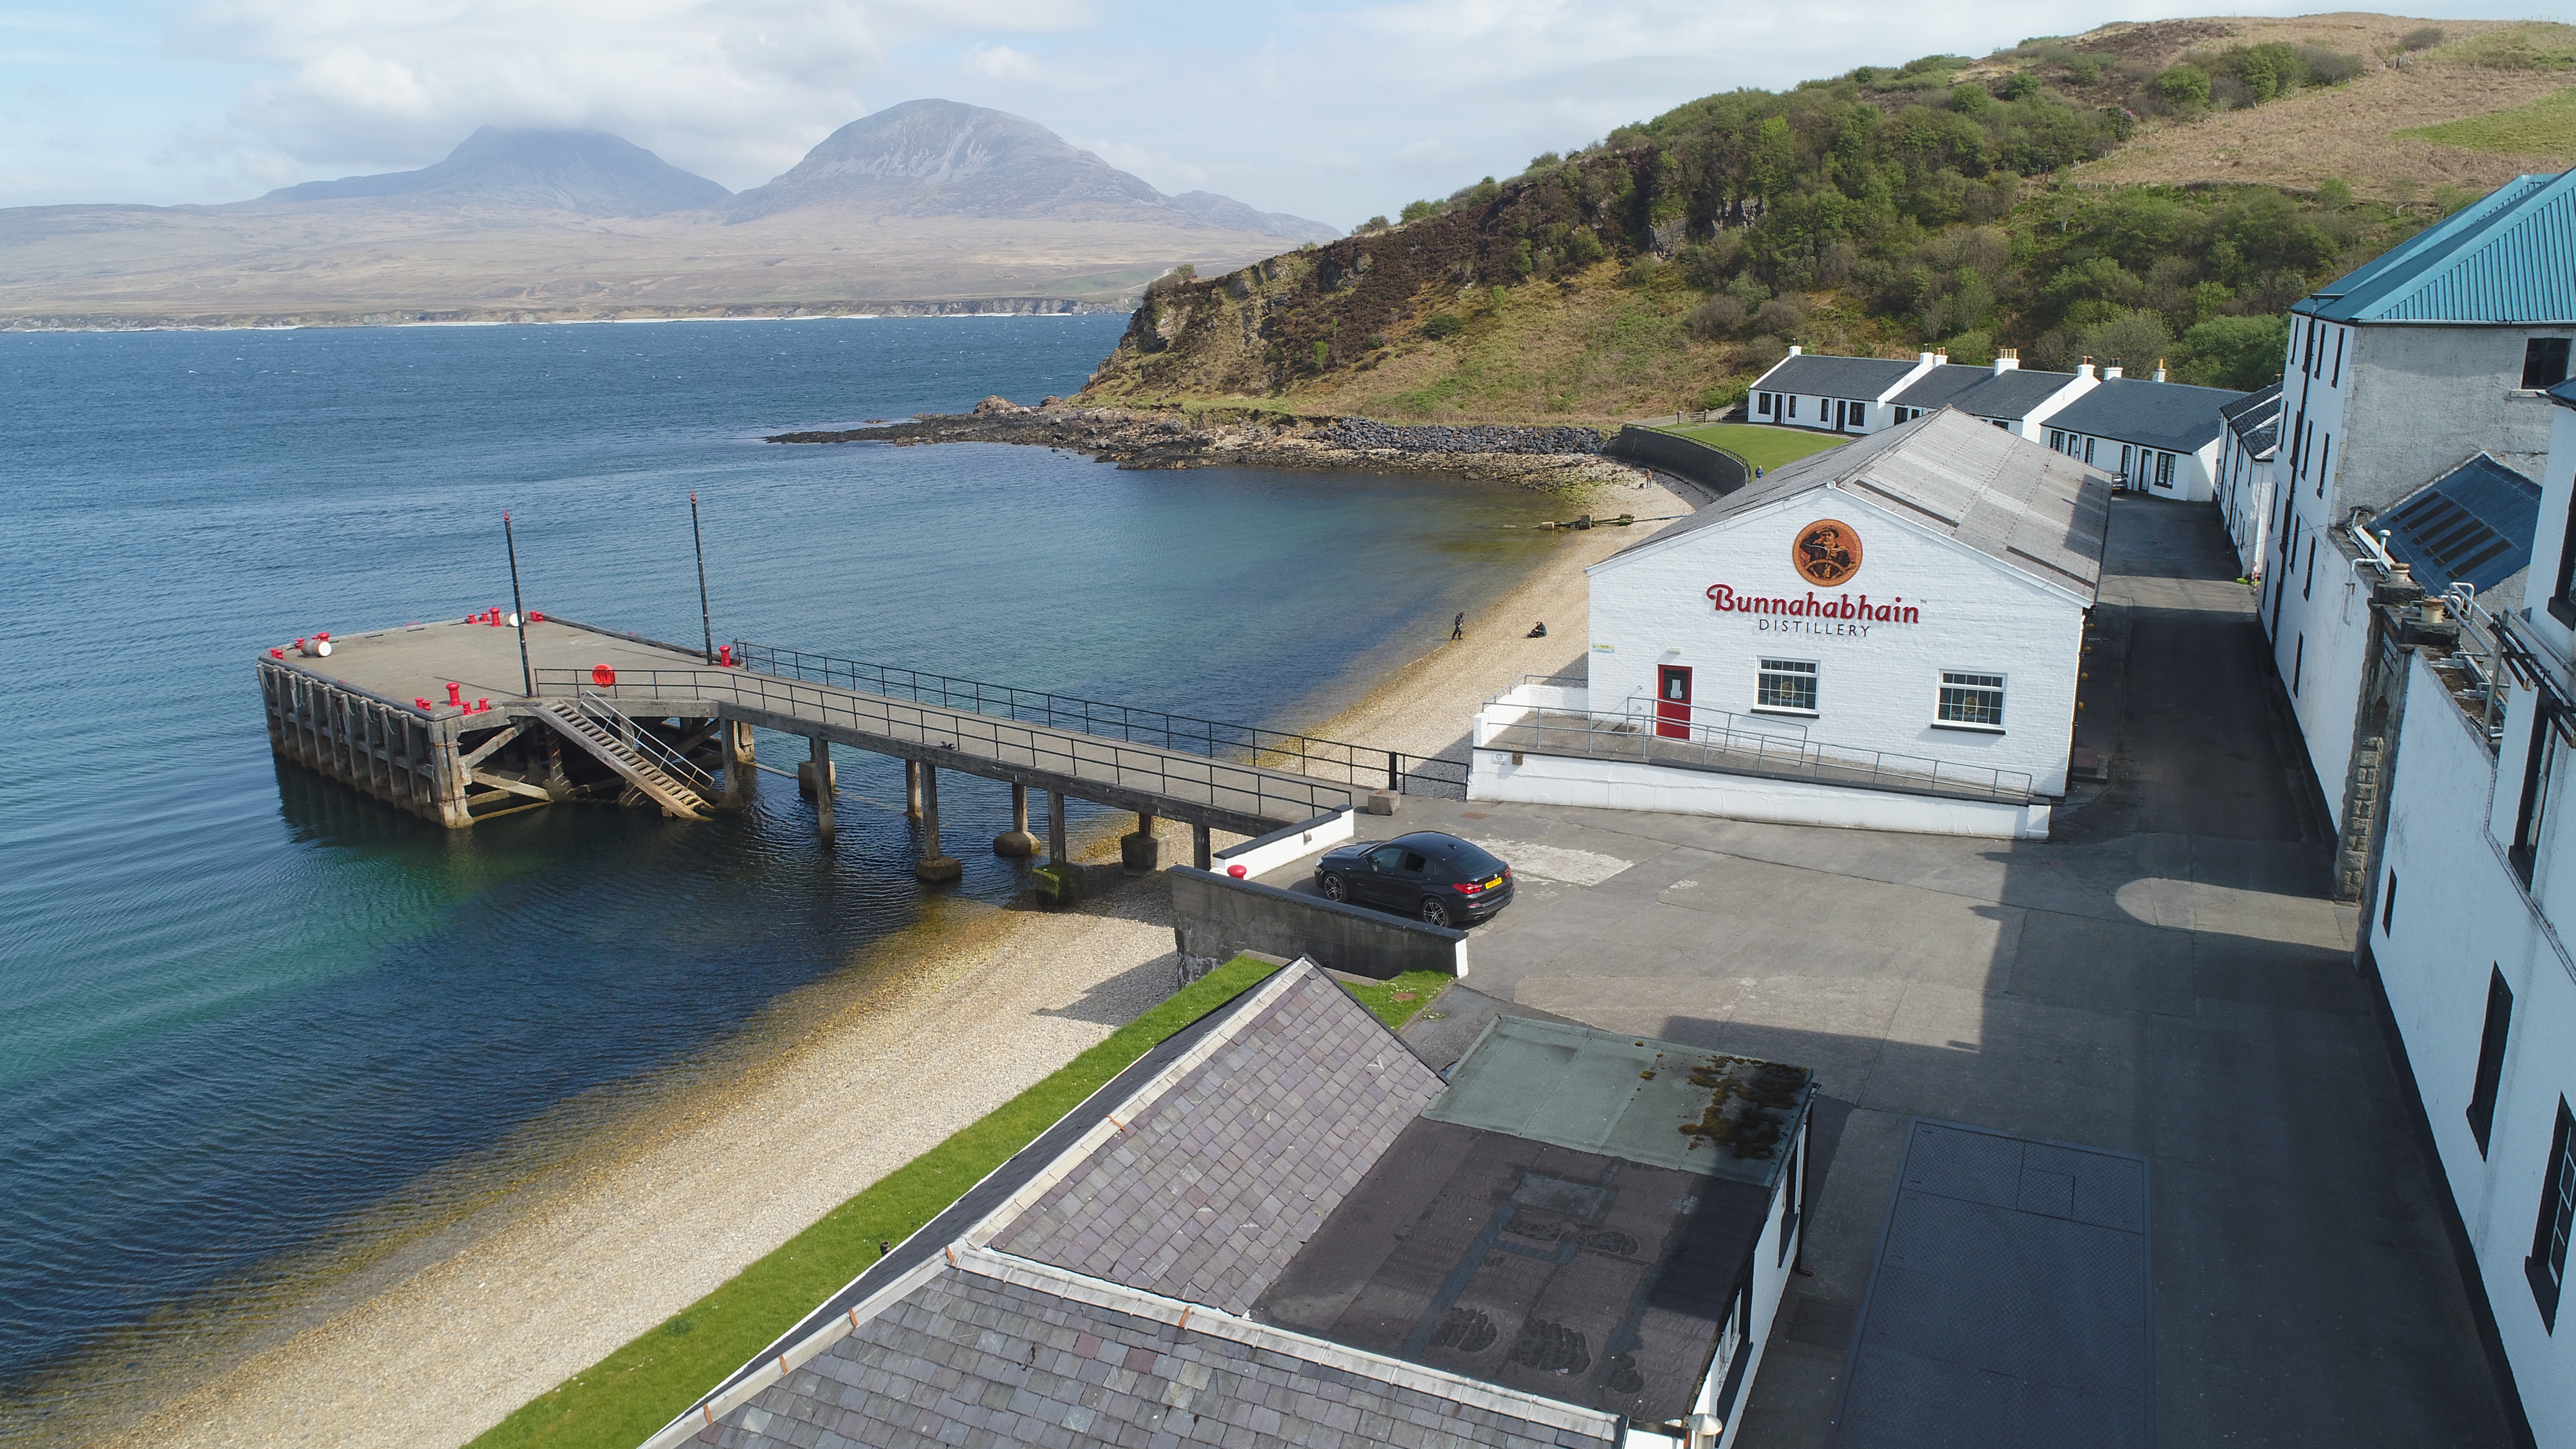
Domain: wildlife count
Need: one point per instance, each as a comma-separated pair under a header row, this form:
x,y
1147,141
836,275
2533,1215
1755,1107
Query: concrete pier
x,y
937,867
1016,842
816,779
1140,852
912,789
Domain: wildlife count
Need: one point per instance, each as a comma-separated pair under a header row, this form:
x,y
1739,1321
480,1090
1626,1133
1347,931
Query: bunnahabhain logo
x,y
1827,552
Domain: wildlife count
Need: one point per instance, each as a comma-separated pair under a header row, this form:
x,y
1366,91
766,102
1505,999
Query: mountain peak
x,y
588,172
947,158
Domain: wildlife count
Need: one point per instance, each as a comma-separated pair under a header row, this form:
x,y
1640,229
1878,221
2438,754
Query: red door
x,y
1672,701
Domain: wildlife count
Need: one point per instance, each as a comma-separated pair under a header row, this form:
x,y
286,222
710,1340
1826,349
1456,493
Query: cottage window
x,y
2088,450
2056,440
1793,404
1762,404
1786,684
2544,362
2547,1266
2164,470
1976,700
2482,1091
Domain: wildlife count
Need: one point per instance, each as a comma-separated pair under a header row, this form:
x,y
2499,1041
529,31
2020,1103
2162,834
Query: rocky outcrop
x,y
1534,457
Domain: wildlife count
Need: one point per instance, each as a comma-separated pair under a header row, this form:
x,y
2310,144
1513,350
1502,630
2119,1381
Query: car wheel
x,y
1333,889
1436,911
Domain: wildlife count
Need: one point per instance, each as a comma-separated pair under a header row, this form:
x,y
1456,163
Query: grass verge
x,y
617,1402
1396,1001
1760,446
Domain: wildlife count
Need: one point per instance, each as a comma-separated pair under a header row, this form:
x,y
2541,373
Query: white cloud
x,y
1000,62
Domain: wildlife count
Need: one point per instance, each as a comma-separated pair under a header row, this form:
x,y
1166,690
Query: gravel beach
x,y
835,1093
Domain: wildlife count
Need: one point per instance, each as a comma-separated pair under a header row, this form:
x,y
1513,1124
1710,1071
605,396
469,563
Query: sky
x,y
1330,109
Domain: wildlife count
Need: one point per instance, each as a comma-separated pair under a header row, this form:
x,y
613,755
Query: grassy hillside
x,y
1945,202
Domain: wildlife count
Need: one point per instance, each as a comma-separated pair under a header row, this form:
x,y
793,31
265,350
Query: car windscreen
x,y
1472,861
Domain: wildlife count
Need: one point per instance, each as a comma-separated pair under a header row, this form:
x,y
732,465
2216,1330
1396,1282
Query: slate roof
x,y
2509,257
988,1354
2010,394
2173,416
2256,419
2007,497
2473,525
1846,377
1193,1198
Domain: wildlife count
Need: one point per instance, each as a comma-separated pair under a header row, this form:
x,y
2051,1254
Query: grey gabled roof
x,y
2010,394
2256,419
1846,377
2007,497
2174,416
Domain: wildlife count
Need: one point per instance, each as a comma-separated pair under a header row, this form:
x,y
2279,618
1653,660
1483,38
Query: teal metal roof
x,y
2509,257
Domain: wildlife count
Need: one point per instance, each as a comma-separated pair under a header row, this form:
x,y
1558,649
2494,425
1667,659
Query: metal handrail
x,y
1631,736
664,758
1641,703
1242,789
1351,764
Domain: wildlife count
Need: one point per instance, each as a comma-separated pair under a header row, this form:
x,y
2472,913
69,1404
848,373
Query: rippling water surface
x,y
245,1011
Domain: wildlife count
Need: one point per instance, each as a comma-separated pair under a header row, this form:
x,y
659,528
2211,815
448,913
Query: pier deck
x,y
356,714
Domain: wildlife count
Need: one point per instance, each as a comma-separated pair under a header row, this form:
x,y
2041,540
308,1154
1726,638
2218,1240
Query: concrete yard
x,y
2166,976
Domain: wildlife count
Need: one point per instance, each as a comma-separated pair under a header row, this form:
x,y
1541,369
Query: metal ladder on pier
x,y
658,772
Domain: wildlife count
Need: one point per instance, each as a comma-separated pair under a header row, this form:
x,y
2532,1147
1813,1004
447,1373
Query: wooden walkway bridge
x,y
438,720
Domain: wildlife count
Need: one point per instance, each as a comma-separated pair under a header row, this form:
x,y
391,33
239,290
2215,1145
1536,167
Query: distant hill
x,y
932,158
586,172
961,205
2140,194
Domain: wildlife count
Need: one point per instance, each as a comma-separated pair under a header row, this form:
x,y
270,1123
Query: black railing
x,y
1181,777
1357,765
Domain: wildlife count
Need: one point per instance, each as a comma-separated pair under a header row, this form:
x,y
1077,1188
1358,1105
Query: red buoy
x,y
1238,872
603,676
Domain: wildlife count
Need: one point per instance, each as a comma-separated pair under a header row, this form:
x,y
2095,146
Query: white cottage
x,y
1885,635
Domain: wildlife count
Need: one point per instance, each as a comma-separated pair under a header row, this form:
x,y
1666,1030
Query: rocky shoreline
x,y
1530,457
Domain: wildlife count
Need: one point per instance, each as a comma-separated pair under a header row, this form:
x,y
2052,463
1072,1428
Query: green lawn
x,y
623,1398
1396,1001
1760,446
2546,128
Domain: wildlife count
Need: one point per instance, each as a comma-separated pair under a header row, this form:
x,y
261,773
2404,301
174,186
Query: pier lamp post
x,y
697,536
518,606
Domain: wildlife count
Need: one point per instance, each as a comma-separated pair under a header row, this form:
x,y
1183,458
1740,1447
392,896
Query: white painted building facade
x,y
1900,621
2244,477
2466,929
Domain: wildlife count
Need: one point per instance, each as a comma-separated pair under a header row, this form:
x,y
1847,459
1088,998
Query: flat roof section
x,y
2011,1305
1636,1098
1575,1276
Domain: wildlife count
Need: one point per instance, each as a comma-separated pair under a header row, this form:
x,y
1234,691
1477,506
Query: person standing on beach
x,y
1458,626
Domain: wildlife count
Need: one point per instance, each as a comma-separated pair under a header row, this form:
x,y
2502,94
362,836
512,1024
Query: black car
x,y
1442,879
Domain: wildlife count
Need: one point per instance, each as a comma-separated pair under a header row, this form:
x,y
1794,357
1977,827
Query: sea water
x,y
243,1011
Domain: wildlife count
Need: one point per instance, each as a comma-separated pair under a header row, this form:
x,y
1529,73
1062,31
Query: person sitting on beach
x,y
1539,632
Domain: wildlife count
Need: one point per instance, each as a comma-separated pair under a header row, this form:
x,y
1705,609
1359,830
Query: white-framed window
x,y
2164,470
1971,699
1763,403
1793,404
2056,440
1786,684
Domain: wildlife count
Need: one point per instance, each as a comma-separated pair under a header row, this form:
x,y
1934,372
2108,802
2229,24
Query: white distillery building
x,y
2471,905
2245,453
1885,635
2162,438
2434,353
1868,394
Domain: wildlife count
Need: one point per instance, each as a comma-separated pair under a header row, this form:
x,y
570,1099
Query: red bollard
x,y
456,694
482,706
421,701
298,644
1238,872
277,654
322,636
534,617
724,655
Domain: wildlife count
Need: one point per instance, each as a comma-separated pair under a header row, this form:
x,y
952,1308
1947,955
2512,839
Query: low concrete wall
x,y
1217,917
1718,472
1265,853
1634,785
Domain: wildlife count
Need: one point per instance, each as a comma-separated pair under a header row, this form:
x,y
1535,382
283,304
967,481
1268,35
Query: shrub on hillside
x,y
1643,272
1760,353
2243,353
2134,341
1443,326
2022,86
2422,37
1719,316
2184,85
1583,248
1417,210
1786,316
1971,349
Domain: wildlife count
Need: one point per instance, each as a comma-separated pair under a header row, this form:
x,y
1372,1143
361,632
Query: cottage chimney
x,y
2084,369
1921,358
2160,369
2111,371
1795,349
2007,359
1941,358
